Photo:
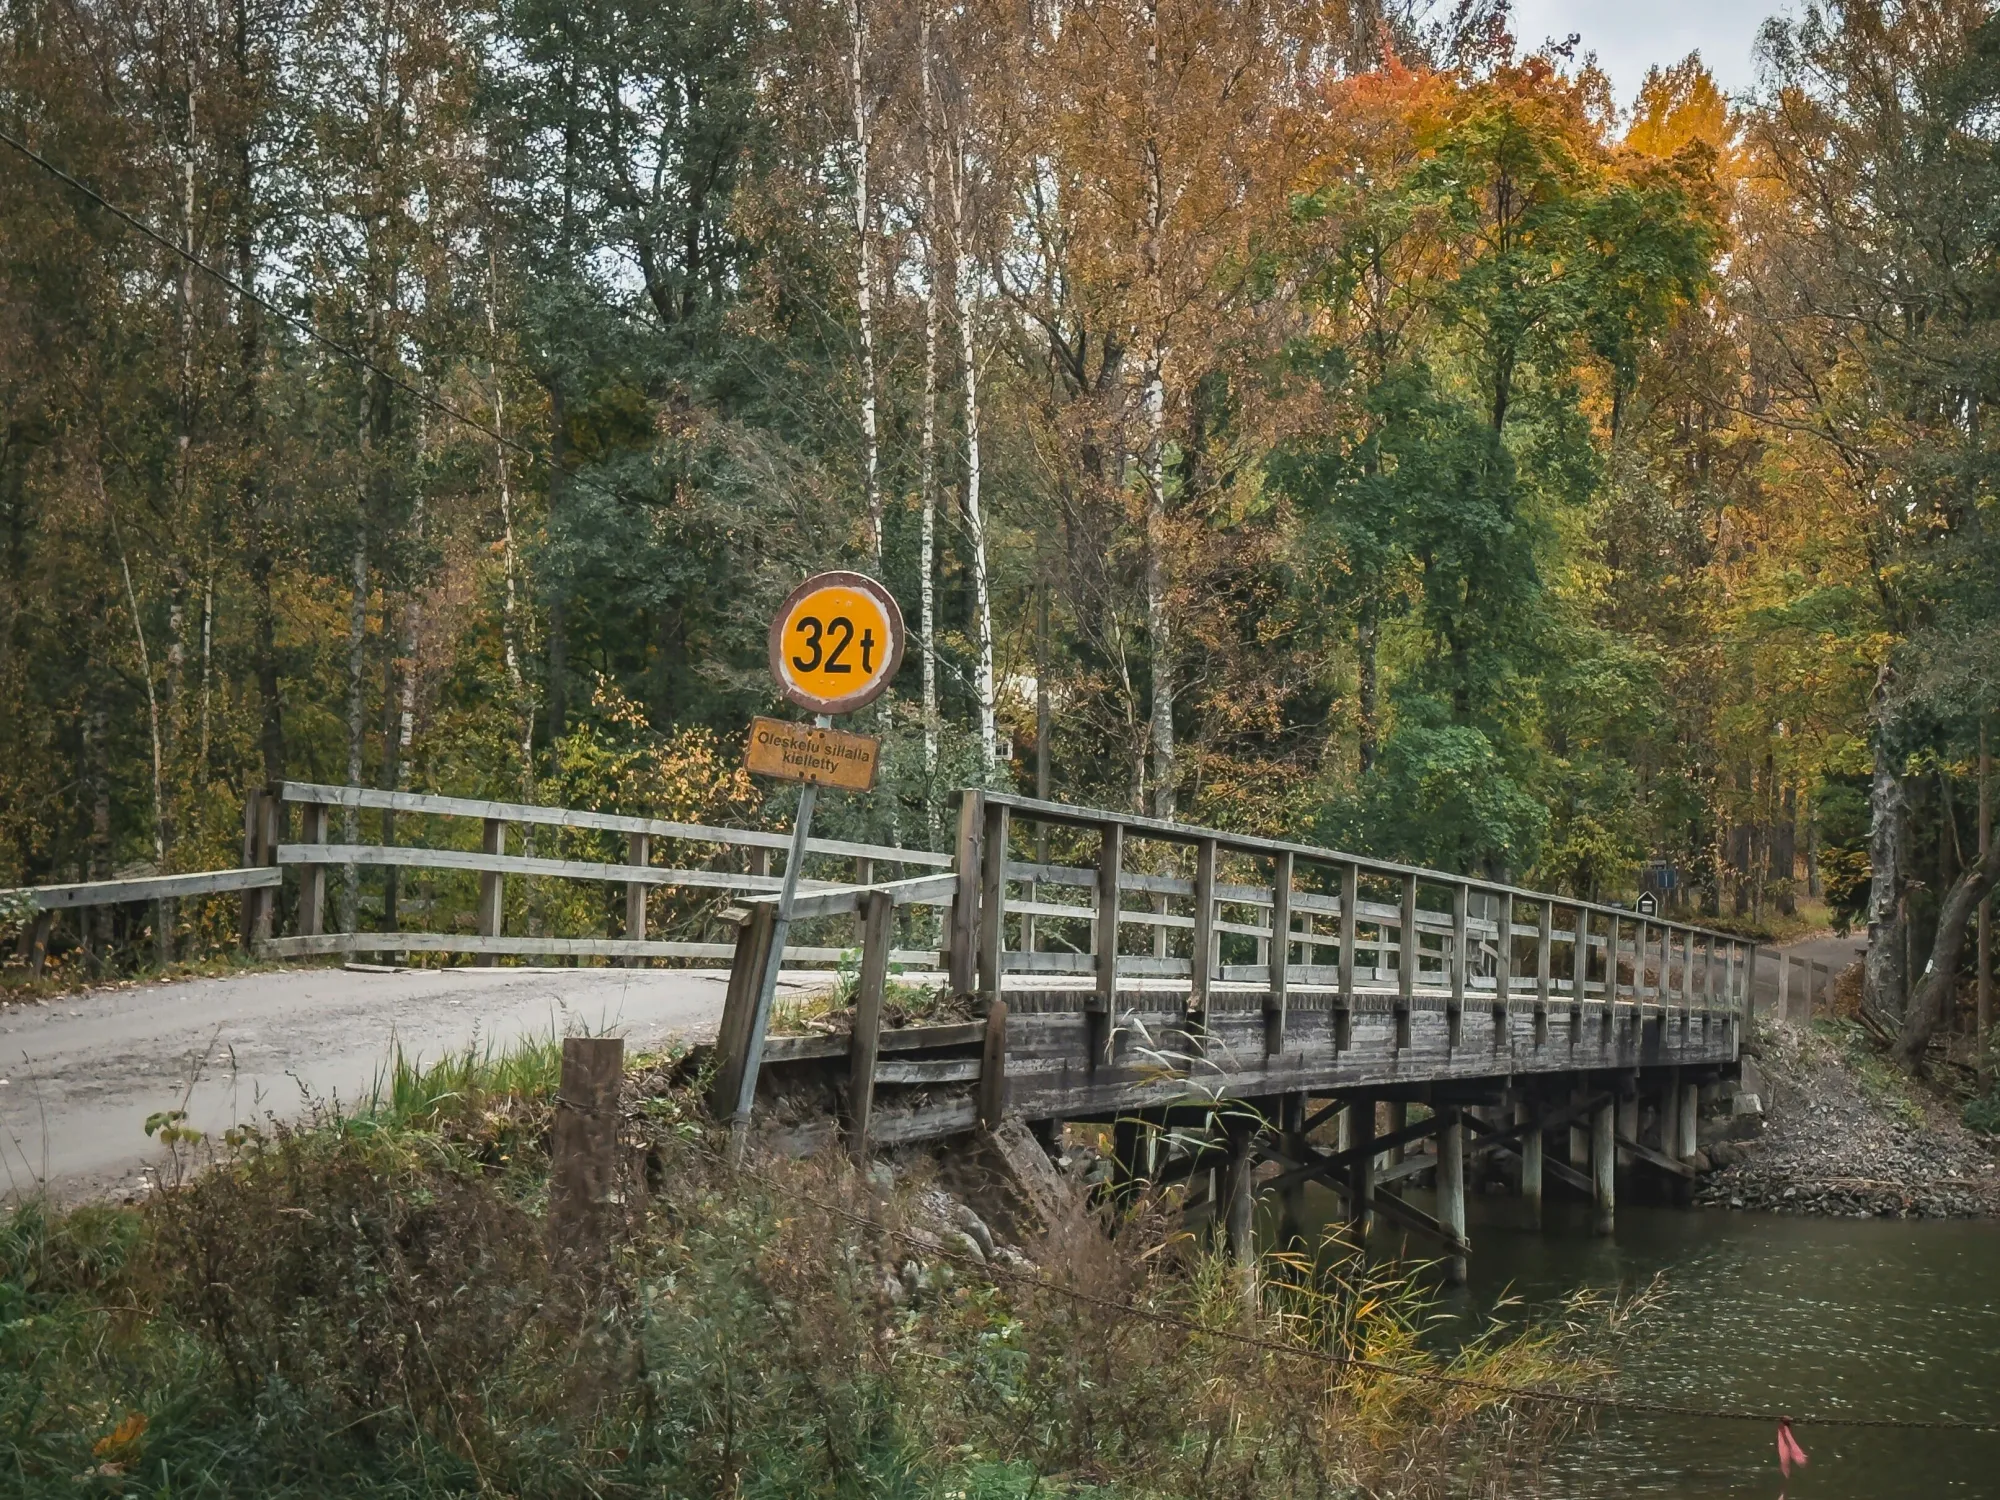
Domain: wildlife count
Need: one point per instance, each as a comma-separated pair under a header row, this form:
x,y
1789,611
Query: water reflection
x,y
1868,1317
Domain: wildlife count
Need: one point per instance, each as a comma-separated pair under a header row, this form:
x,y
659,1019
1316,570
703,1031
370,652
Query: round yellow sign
x,y
836,642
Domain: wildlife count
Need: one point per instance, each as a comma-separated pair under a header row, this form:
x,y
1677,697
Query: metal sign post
x,y
835,644
767,983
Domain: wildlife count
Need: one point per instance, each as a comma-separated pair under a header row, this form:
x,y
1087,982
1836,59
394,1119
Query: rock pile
x,y
1831,1146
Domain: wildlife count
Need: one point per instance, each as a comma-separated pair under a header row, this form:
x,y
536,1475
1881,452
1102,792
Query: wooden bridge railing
x,y
1310,918
313,855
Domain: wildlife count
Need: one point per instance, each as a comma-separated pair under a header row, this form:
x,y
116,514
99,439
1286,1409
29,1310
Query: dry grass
x,y
364,1307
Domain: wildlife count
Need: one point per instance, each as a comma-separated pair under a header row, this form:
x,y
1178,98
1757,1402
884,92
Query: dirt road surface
x,y
79,1075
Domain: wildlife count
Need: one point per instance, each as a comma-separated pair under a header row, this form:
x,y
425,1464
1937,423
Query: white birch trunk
x,y
1160,727
1159,628
964,291
927,470
146,672
864,277
207,663
1884,975
357,636
512,647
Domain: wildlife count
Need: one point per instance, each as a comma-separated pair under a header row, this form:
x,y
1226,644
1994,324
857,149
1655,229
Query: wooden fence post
x,y
312,877
492,890
584,1159
638,851
864,1044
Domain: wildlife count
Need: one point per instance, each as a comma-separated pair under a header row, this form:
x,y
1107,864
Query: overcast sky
x,y
1630,37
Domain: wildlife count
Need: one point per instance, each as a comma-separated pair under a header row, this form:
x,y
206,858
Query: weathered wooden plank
x,y
146,888
494,861
327,943
569,817
839,900
947,1070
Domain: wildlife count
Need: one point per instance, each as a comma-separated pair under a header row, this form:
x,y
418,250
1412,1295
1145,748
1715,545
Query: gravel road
x,y
79,1075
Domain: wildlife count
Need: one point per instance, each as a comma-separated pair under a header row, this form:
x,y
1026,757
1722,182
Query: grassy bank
x,y
363,1306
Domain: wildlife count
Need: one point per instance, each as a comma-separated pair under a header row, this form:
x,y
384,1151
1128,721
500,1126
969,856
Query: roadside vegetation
x,y
363,1306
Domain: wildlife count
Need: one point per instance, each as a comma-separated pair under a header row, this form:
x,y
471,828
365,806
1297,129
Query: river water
x,y
1864,1317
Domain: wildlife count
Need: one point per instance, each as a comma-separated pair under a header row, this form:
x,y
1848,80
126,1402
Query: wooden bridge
x,y
1218,999
1223,1003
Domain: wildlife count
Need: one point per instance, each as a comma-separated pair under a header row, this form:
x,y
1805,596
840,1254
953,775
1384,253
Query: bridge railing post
x,y
1461,958
1281,954
964,944
992,900
1407,959
1104,1001
1202,957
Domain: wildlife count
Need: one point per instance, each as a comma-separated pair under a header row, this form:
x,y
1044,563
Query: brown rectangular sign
x,y
805,752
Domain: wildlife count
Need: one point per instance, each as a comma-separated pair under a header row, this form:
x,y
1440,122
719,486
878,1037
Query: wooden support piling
x,y
1670,1116
1603,1166
1292,1197
1361,1141
1451,1192
1688,1120
1579,1134
1531,1156
1239,1199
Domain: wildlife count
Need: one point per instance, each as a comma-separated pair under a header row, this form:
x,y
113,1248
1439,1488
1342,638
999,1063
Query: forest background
x,y
1289,415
